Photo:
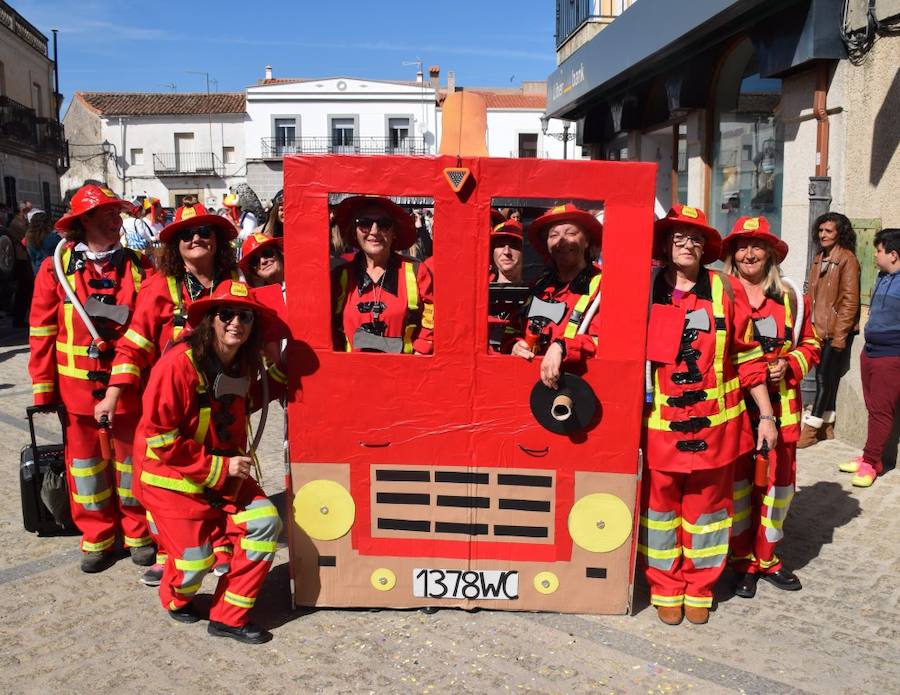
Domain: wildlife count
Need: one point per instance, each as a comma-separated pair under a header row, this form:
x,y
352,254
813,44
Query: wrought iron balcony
x,y
278,147
42,138
187,164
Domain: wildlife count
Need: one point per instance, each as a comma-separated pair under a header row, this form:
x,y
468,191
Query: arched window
x,y
748,145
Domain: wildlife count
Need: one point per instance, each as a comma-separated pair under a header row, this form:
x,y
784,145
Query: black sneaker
x,y
185,614
153,576
144,556
249,633
97,561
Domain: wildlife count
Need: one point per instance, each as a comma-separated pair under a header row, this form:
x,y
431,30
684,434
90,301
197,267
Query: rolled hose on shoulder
x,y
70,292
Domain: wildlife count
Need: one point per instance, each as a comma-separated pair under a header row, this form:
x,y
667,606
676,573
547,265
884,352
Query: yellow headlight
x,y
383,579
600,522
324,510
546,582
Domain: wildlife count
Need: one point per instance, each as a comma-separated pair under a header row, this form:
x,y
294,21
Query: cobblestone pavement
x,y
64,631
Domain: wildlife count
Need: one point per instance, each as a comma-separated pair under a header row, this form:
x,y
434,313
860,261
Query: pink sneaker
x,y
851,466
865,475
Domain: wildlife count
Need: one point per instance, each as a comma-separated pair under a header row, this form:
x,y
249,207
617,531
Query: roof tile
x,y
162,104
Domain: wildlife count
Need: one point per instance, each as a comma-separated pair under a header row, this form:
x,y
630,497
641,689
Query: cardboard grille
x,y
456,177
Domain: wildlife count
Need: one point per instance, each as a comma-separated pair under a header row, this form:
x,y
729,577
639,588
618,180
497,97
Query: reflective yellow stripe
x,y
771,523
195,565
124,492
124,467
46,387
658,423
695,529
97,547
658,600
238,600
139,340
43,331
70,338
72,372
741,492
698,601
258,513
776,503
136,271
580,306
667,554
741,515
224,549
660,525
88,472
188,590
766,564
412,287
215,470
175,484
706,552
428,316
747,355
77,350
66,258
126,368
259,546
138,542
277,374
92,499
163,439
175,294
204,414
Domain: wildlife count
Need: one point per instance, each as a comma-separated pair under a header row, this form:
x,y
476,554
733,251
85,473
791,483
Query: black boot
x,y
97,561
784,580
249,633
746,585
186,614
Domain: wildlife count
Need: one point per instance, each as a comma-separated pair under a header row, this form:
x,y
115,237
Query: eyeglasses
x,y
245,316
187,235
681,240
365,223
265,253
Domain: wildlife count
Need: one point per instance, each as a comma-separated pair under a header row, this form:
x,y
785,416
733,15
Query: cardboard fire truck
x,y
421,481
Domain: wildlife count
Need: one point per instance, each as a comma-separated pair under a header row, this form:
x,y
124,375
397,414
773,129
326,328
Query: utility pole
x,y
208,110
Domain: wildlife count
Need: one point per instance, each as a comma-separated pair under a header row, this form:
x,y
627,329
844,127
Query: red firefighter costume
x,y
503,319
759,513
398,309
63,369
189,435
577,294
695,428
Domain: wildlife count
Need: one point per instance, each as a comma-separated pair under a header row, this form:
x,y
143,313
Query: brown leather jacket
x,y
834,296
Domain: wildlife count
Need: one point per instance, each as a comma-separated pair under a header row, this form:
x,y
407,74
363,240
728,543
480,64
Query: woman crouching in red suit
x,y
193,473
784,330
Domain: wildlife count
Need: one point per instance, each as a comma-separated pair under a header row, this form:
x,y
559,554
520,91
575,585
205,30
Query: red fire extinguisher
x,y
761,472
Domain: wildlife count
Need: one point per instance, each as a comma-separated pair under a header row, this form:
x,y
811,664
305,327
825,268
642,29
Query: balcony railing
x,y
571,14
187,164
278,147
21,127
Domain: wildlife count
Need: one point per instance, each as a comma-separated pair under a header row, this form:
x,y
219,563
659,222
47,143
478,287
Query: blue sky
x,y
151,45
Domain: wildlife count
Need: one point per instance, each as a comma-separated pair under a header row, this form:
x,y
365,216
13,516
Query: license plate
x,y
466,584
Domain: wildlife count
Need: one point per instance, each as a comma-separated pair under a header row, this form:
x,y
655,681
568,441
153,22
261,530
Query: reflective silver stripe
x,y
194,563
659,539
708,539
92,490
263,525
742,498
124,473
777,501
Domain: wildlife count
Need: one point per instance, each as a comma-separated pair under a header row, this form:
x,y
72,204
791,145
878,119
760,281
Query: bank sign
x,y
566,85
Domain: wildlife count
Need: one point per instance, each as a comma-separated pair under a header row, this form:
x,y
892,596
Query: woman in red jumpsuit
x,y
753,254
68,366
564,236
262,260
196,256
696,424
382,299
193,471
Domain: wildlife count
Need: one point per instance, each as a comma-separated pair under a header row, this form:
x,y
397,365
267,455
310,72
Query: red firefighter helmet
x,y
692,217
253,245
754,228
192,216
89,198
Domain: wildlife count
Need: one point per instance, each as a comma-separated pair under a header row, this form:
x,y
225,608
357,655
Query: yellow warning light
x,y
600,522
324,510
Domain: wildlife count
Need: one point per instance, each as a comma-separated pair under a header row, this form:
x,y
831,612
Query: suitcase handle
x,y
57,408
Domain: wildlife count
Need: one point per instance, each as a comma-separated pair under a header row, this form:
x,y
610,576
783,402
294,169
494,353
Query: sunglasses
x,y
245,316
188,234
365,223
265,253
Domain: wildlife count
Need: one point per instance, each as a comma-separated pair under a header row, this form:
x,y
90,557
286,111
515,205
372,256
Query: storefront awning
x,y
648,33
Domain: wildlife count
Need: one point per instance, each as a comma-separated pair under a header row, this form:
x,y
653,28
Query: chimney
x,y
451,81
434,75
268,72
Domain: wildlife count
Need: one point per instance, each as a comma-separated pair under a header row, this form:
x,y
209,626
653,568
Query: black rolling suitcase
x,y
42,480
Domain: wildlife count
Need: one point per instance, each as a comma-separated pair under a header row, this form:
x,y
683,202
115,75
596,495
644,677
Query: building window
x,y
37,103
681,164
528,145
2,80
137,156
748,147
285,135
228,155
398,135
343,132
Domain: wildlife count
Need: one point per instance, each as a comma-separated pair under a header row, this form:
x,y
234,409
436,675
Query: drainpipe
x,y
819,193
55,74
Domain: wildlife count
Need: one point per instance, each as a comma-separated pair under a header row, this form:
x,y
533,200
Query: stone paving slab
x,y
67,632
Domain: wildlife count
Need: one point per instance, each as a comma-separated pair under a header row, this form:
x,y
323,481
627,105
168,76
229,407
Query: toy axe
x,y
542,313
117,313
697,319
767,330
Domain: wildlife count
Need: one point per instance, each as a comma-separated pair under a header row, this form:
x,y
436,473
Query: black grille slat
x,y
404,525
461,477
465,529
524,480
327,561
402,498
595,573
402,476
525,505
522,531
459,501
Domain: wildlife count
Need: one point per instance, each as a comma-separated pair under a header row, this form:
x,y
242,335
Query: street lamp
x,y
563,137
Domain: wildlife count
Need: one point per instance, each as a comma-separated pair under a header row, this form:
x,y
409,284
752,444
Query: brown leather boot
x,y
809,435
827,429
670,615
698,615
